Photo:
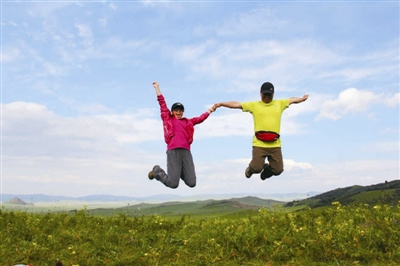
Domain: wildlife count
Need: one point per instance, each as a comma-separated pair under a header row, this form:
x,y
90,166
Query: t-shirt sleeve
x,y
246,106
285,104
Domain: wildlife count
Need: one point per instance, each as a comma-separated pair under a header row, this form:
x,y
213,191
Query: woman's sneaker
x,y
153,172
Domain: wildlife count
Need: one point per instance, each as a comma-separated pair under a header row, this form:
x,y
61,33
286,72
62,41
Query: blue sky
x,y
79,114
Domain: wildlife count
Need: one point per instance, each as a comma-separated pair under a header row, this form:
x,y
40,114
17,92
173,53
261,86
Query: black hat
x,y
176,106
267,88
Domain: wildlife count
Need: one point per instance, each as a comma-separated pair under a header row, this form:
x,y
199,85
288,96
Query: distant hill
x,y
90,198
387,192
18,201
41,198
233,206
221,205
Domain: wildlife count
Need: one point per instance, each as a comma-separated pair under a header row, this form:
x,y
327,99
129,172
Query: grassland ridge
x,y
386,192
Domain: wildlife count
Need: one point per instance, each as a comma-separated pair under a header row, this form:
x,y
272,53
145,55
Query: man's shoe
x,y
266,172
247,172
152,173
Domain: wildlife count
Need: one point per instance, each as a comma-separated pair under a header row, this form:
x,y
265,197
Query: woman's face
x,y
178,113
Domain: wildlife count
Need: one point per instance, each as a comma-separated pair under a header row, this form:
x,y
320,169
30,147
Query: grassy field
x,y
338,235
63,206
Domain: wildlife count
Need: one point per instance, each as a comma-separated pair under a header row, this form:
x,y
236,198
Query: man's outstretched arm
x,y
232,105
298,100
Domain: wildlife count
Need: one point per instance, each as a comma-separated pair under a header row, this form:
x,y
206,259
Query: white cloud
x,y
297,176
292,165
249,61
113,6
350,100
234,124
103,21
85,32
45,10
116,49
104,173
254,21
352,74
391,146
9,54
360,172
90,154
150,3
33,128
393,101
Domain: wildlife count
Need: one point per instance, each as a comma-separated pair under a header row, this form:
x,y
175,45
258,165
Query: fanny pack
x,y
268,136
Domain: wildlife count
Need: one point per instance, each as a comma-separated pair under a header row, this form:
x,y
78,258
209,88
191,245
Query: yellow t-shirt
x,y
267,117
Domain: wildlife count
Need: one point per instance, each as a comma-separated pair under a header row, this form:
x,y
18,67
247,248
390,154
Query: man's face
x,y
266,97
178,113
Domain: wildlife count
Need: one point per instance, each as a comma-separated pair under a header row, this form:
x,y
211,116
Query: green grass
x,y
387,196
338,235
62,206
373,196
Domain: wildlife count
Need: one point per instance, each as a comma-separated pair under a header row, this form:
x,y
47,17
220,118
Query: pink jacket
x,y
167,116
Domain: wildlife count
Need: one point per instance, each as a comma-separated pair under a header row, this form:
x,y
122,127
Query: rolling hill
x,y
387,192
202,208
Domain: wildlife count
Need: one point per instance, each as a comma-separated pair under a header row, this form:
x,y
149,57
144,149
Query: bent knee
x,y
256,169
191,184
172,185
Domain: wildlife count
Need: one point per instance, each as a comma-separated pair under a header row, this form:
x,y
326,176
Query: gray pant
x,y
179,166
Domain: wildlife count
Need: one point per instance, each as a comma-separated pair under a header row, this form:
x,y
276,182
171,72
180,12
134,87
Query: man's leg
x,y
275,163
257,162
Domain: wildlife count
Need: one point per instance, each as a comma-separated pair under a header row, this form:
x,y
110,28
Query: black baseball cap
x,y
267,88
177,106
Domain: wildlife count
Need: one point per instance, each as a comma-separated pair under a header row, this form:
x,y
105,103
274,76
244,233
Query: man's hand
x,y
298,100
214,107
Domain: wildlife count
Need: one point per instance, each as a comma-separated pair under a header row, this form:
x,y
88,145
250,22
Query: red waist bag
x,y
268,136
